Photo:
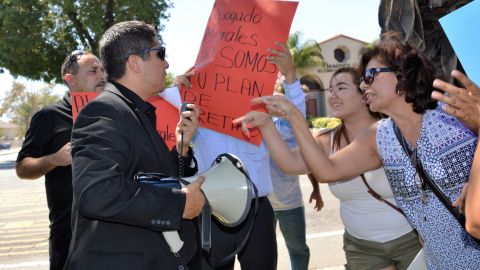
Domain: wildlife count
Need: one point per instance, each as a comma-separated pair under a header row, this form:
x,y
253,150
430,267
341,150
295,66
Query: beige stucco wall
x,y
8,130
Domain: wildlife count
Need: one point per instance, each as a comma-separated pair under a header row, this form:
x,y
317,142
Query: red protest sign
x,y
167,119
167,115
79,100
231,66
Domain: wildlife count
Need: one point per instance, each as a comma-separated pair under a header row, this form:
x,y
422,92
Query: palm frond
x,y
306,55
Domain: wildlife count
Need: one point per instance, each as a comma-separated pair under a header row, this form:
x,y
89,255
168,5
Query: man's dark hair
x,y
121,40
415,73
70,64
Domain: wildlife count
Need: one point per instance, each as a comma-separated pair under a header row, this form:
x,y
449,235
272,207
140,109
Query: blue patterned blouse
x,y
445,148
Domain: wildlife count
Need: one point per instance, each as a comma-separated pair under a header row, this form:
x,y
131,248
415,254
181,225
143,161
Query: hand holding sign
x,y
184,79
233,64
284,61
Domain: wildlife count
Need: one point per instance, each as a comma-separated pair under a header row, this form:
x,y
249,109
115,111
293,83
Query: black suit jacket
x,y
116,221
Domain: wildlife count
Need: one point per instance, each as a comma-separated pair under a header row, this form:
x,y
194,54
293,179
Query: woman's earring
x,y
399,92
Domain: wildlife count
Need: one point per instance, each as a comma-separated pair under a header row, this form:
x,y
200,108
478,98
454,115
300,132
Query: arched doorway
x,y
315,97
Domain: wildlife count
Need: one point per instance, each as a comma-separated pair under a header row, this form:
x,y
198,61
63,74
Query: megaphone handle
x,y
173,240
180,158
181,162
206,227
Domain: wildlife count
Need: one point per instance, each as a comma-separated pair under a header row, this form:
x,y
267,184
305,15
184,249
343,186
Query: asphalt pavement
x,y
24,224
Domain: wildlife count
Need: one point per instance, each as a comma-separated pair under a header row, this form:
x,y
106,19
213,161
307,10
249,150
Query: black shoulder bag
x,y
427,182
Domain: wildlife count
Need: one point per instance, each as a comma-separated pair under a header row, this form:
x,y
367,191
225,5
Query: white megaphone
x,y
227,187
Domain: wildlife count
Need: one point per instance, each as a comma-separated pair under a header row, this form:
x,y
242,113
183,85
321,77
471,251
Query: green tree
x,y
169,79
20,105
305,55
36,35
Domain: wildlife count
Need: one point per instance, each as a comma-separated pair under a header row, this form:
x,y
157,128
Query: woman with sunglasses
x,y
398,83
377,234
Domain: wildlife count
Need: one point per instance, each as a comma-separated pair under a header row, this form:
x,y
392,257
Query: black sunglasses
x,y
72,59
160,52
369,74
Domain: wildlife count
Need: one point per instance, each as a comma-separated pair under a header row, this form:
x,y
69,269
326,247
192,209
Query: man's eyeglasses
x,y
160,52
369,74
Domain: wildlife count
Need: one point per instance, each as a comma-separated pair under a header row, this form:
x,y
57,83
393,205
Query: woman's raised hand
x,y
463,103
252,119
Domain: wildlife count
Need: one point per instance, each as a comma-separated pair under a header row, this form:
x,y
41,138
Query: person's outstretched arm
x,y
292,161
360,156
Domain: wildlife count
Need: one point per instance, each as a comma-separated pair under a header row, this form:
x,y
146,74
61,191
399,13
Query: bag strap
x,y
379,197
370,190
425,178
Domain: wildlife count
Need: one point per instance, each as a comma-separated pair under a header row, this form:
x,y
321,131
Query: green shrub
x,y
323,122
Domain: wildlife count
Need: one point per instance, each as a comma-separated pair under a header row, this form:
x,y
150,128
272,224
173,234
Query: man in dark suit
x,y
118,223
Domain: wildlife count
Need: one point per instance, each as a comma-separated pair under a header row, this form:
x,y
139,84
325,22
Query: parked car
x,y
5,146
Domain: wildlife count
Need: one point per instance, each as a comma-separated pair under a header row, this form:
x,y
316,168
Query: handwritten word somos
x,y
256,62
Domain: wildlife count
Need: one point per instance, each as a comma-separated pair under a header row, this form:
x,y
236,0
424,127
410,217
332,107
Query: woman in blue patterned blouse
x,y
397,82
464,103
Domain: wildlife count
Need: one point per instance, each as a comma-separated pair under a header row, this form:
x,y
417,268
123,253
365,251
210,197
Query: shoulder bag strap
x,y
370,190
426,180
379,197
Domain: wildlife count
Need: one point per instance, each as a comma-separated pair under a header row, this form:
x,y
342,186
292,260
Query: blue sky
x,y
459,26
317,19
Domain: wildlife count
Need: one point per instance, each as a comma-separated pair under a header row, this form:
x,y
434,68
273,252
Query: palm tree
x,y
306,55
